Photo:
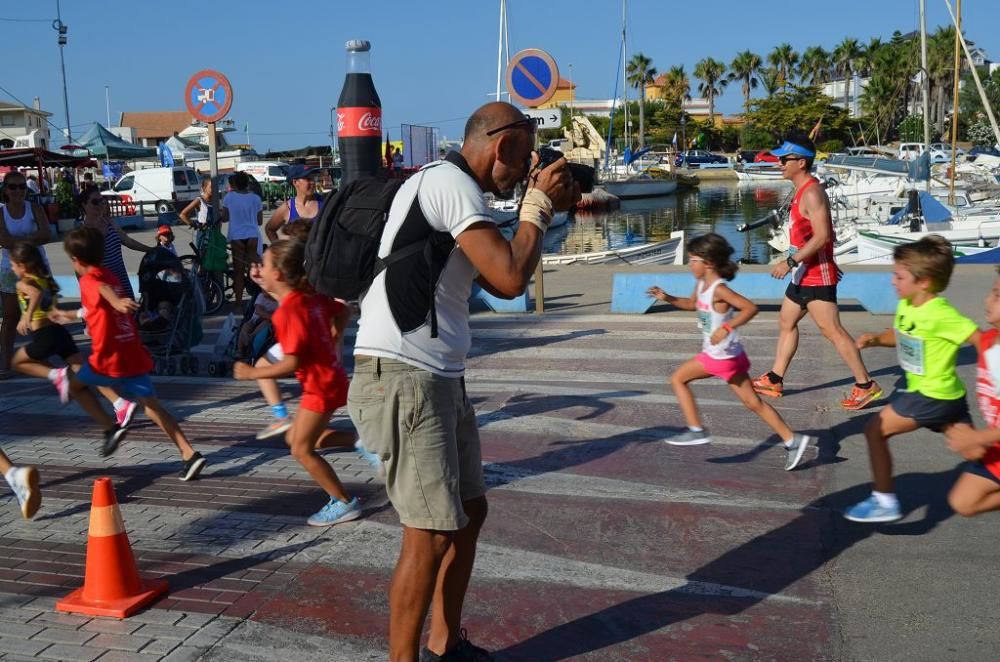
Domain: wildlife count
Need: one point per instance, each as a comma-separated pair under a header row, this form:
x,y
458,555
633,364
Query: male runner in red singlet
x,y
815,275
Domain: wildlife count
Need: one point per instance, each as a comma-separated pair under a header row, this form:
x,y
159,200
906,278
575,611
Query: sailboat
x,y
626,182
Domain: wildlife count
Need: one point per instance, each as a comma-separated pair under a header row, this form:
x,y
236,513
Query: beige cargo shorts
x,y
424,428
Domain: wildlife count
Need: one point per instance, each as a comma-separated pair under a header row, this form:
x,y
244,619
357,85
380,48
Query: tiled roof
x,y
156,124
565,85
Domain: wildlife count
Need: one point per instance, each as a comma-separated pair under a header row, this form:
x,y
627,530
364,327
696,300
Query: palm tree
x,y
676,86
845,58
712,74
941,66
814,68
641,72
745,68
784,58
868,55
770,80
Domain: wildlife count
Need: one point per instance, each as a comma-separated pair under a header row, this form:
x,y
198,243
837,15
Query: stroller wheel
x,y
193,365
213,369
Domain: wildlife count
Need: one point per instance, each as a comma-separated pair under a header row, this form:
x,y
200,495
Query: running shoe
x,y
369,457
464,651
24,482
335,512
797,449
61,382
862,397
277,428
125,414
765,386
193,466
112,437
870,511
690,438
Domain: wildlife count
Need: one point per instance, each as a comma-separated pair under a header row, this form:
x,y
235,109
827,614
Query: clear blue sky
x,y
434,60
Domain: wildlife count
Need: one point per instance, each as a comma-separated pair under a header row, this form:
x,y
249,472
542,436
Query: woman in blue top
x,y
306,204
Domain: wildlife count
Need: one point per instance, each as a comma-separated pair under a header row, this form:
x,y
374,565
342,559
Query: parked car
x,y
766,157
946,148
264,171
697,157
162,189
912,151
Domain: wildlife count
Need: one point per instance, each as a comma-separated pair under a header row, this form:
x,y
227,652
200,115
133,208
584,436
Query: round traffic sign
x,y
208,96
532,77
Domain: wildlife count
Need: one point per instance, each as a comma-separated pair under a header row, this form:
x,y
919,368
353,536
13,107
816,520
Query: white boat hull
x,y
669,251
873,248
640,188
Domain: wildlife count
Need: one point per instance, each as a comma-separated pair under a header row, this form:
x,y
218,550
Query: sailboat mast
x,y
925,77
503,9
954,101
628,133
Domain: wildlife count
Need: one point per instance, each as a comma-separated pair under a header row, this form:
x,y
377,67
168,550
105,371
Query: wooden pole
x,y
954,102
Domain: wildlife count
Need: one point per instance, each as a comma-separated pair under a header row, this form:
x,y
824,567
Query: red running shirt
x,y
116,350
989,403
818,269
302,324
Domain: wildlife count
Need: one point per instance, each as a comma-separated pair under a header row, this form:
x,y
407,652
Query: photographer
x,y
407,397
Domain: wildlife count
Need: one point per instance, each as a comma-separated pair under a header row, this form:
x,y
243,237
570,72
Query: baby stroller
x,y
246,339
171,306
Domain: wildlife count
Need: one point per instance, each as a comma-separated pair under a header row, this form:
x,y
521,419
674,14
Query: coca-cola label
x,y
359,122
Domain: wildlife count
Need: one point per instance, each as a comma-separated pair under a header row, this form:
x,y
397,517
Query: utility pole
x,y
107,104
62,29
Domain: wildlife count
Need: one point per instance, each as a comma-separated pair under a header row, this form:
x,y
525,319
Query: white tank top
x,y
709,320
18,228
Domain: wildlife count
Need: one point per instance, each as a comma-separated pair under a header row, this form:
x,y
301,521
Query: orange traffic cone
x,y
112,586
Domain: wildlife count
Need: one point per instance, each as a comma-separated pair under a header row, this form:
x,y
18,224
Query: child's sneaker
x,y
61,382
125,414
369,457
690,438
764,386
797,449
24,482
870,511
861,397
278,427
335,512
112,437
193,466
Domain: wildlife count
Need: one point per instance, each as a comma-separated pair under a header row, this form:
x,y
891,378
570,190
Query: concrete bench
x,y
872,289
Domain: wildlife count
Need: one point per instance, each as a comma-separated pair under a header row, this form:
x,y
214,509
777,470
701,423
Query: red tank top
x,y
818,269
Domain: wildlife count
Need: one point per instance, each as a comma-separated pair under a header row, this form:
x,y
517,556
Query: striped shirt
x,y
113,260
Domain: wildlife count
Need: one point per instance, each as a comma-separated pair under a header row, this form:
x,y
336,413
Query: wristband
x,y
536,209
725,325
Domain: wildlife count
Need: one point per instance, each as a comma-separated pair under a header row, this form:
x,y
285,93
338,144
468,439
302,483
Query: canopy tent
x,y
103,144
36,157
186,150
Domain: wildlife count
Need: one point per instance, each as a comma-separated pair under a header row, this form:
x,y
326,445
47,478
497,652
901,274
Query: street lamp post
x,y
684,142
62,29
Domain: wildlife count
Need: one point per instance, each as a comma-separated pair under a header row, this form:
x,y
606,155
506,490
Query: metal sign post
x,y
208,97
532,79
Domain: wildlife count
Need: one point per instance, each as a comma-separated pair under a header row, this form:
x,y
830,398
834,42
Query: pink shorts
x,y
725,369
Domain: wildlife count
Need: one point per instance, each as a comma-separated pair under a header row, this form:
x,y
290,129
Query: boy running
x,y
927,334
117,357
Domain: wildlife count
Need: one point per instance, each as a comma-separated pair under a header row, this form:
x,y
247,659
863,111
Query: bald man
x,y
407,398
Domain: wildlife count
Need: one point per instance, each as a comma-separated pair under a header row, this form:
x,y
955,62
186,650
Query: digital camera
x,y
581,174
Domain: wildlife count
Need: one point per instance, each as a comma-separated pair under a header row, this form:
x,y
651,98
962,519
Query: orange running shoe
x,y
764,386
862,397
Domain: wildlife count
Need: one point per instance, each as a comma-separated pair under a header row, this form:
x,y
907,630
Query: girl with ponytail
x,y
303,323
720,312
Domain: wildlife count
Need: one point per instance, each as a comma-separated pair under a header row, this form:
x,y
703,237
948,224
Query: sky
x,y
433,61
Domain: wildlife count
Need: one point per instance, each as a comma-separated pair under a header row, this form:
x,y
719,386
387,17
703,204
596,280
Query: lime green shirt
x,y
927,342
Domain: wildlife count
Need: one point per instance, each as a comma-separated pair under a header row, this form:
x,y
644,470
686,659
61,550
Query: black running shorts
x,y
802,295
930,413
51,340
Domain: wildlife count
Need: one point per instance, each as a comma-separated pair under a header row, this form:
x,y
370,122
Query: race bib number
x,y
910,353
705,321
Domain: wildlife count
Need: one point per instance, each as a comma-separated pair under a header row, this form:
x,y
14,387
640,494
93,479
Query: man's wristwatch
x,y
790,261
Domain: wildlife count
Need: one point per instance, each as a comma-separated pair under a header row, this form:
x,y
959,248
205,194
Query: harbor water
x,y
713,207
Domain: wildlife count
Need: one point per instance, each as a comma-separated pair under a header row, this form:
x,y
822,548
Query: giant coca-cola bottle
x,y
359,116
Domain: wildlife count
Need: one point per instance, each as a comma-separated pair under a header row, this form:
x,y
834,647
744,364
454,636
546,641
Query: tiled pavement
x,y
602,542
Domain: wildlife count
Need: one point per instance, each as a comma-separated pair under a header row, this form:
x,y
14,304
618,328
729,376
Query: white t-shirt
x,y
243,209
395,322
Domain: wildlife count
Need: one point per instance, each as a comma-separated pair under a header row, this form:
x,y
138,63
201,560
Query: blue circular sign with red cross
x,y
532,77
208,96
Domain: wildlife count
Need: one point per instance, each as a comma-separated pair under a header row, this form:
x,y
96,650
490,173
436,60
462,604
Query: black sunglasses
x,y
786,159
527,122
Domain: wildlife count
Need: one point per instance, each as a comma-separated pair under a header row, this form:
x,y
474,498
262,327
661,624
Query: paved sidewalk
x,y
602,542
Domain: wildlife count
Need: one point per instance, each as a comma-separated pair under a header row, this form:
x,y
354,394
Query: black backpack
x,y
341,254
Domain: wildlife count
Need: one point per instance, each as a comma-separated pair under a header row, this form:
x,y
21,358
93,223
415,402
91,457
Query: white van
x,y
910,151
162,189
265,171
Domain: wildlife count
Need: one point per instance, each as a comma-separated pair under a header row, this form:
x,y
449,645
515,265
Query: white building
x,y
22,126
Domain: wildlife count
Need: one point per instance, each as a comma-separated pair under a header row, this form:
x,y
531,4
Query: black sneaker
x,y
192,466
464,651
112,437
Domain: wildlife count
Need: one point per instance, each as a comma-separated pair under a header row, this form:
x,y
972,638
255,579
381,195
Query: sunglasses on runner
x,y
786,159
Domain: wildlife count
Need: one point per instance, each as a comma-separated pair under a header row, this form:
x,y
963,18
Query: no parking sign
x,y
208,96
532,77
